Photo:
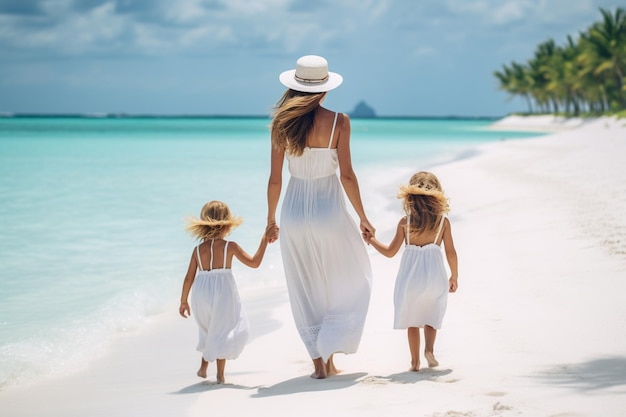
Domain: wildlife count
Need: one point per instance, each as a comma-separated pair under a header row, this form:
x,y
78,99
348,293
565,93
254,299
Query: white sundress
x,y
421,289
215,304
327,268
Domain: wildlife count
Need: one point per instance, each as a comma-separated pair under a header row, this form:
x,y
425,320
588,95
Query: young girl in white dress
x,y
422,283
215,303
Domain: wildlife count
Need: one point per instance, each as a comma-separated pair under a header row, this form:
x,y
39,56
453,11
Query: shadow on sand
x,y
409,377
592,375
205,386
308,384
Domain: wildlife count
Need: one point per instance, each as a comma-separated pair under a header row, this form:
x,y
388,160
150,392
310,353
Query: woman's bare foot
x,y
203,367
415,365
320,369
330,367
221,364
430,357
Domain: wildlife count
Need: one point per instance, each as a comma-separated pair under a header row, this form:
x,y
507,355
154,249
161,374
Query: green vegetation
x,y
583,76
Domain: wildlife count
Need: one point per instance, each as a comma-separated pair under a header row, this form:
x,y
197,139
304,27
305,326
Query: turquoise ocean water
x,y
92,211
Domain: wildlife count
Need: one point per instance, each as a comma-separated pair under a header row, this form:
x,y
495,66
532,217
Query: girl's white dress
x,y
326,265
421,290
215,304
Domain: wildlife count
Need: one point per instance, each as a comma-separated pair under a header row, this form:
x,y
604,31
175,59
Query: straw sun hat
x,y
407,190
311,76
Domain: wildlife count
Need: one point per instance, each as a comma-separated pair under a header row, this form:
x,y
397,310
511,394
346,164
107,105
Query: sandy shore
x,y
539,123
537,328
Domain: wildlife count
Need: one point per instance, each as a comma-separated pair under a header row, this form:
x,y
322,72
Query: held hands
x,y
272,231
184,310
367,231
367,236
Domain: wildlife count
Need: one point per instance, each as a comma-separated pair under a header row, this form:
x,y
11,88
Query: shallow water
x,y
92,214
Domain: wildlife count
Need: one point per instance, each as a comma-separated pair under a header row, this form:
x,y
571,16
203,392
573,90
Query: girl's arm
x,y
191,275
271,231
347,175
450,255
274,186
394,246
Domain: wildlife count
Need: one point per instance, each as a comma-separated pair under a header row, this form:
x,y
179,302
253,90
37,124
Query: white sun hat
x,y
311,76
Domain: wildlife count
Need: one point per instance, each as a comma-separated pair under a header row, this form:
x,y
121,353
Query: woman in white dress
x,y
327,268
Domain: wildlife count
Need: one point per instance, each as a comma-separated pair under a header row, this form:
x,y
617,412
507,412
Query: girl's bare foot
x,y
415,366
203,367
430,357
320,369
220,378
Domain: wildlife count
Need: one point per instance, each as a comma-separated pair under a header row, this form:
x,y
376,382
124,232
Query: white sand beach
x,y
537,327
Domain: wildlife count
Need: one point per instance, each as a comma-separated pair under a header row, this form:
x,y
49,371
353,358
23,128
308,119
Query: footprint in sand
x,y
501,407
497,408
496,394
374,380
455,414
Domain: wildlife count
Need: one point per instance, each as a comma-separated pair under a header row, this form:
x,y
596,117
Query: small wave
x,y
72,347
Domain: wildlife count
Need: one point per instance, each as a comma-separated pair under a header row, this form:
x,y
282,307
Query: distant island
x,y
362,110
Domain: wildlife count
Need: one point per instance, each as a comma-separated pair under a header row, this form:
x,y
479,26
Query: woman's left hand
x,y
273,230
367,228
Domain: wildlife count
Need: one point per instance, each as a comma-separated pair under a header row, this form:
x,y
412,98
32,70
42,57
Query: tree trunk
x,y
529,103
576,106
620,86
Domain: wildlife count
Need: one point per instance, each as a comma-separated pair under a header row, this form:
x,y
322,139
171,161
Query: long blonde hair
x,y
293,120
424,202
215,222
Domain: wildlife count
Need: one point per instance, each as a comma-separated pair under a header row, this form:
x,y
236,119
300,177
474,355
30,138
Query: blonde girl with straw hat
x,y
215,303
422,284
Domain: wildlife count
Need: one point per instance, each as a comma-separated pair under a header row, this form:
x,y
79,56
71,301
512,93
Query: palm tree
x,y
584,74
515,81
605,53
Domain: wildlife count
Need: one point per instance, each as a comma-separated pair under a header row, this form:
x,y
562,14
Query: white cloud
x,y
503,12
69,27
185,12
510,12
65,31
252,8
149,39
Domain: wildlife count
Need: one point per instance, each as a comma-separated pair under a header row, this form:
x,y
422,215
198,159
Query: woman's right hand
x,y
367,228
367,237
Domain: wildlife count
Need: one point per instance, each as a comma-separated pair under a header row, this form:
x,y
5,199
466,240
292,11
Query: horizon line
x,y
96,115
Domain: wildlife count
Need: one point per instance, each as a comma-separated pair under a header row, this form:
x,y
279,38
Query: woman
x,y
326,265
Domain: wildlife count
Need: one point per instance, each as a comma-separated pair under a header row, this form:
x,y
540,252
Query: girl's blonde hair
x,y
424,202
293,120
215,222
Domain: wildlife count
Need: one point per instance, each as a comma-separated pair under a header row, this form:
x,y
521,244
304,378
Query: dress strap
x,y
408,224
211,261
198,256
440,227
332,132
225,253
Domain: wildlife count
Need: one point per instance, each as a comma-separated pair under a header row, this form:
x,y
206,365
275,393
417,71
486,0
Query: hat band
x,y
310,80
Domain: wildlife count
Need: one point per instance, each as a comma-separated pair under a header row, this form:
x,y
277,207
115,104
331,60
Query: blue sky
x,y
403,57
